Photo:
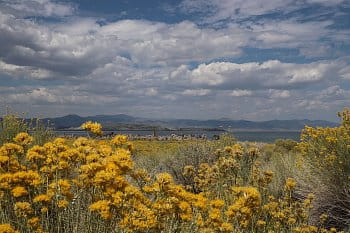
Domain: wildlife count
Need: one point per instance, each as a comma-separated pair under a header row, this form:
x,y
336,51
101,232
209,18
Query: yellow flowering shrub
x,y
235,166
90,185
327,151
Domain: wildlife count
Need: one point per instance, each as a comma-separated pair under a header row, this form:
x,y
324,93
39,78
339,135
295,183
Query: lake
x,y
252,136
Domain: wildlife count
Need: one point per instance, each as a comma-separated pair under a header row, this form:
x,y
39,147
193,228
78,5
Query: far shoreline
x,y
191,129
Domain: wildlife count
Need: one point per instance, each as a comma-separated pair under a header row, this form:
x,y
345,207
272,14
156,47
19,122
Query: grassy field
x,y
88,184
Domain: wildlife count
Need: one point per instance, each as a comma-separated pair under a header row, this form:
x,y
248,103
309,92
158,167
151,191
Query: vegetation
x,y
94,185
11,125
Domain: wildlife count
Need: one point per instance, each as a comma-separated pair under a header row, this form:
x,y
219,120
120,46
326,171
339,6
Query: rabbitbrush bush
x,y
93,185
326,152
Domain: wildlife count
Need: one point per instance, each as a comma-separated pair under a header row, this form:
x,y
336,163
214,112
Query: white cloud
x,y
317,50
163,44
223,9
143,92
139,65
334,93
345,72
37,8
194,92
326,2
289,33
77,47
218,10
24,71
238,93
169,97
279,93
59,95
270,74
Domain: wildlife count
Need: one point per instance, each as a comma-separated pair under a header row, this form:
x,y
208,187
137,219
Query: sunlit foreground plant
x,y
93,127
92,185
327,151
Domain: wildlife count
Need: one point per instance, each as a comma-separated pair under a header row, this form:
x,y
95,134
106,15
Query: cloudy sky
x,y
239,59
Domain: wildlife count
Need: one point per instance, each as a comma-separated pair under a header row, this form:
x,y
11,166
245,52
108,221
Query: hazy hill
x,y
117,121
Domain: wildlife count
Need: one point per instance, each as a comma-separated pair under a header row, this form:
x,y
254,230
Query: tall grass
x,y
12,124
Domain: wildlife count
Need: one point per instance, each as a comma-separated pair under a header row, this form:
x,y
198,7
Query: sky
x,y
198,59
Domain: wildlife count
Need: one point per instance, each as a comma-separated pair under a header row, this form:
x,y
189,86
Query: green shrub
x,y
195,154
11,125
286,144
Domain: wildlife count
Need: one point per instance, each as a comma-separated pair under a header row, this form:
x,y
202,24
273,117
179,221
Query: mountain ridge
x,y
120,120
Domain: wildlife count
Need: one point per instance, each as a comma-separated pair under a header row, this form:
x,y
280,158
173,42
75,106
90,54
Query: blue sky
x,y
203,59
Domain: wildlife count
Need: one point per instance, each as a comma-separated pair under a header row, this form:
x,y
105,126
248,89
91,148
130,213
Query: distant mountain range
x,y
123,121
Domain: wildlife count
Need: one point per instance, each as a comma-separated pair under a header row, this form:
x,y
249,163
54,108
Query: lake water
x,y
252,136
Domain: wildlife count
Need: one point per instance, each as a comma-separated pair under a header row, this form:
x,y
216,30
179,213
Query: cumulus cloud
x,y
270,74
24,71
345,72
223,9
44,8
78,46
141,66
59,95
289,33
32,45
218,10
75,48
164,44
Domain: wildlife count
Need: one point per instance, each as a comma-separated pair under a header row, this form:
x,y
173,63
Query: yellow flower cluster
x,y
119,140
328,148
233,167
7,228
93,127
23,139
247,202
